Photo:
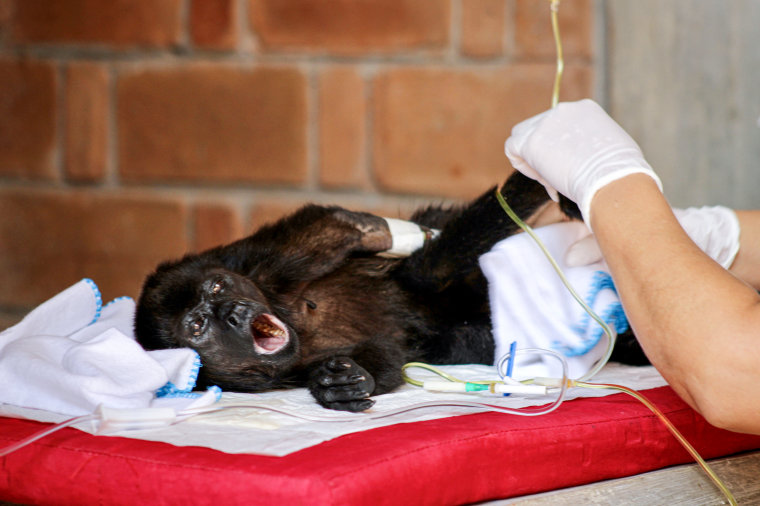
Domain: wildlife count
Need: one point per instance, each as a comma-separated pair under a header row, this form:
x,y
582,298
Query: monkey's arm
x,y
306,245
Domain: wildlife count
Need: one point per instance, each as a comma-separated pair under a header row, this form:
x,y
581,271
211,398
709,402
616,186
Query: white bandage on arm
x,y
407,237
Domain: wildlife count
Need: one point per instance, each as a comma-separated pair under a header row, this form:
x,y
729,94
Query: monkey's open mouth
x,y
269,334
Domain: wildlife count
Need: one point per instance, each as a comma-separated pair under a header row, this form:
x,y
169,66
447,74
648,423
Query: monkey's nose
x,y
231,312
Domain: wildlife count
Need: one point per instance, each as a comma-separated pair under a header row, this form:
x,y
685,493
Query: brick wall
x,y
132,131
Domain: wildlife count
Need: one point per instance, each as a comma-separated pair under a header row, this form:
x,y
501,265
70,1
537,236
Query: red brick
x,y
27,119
213,23
53,239
271,210
215,225
441,131
342,131
350,27
533,29
86,121
388,208
483,28
6,15
122,23
209,122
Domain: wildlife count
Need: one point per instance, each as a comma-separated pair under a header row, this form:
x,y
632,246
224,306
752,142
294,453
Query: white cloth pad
x,y
71,354
265,432
530,305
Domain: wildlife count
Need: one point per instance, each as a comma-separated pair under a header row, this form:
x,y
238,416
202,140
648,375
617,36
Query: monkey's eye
x,y
197,326
217,287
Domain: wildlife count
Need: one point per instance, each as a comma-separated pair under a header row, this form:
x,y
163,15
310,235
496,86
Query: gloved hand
x,y
714,229
575,149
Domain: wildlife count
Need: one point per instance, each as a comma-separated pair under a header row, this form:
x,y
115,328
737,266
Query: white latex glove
x,y
715,230
575,149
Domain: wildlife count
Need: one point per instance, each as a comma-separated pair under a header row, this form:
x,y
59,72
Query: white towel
x,y
72,354
530,305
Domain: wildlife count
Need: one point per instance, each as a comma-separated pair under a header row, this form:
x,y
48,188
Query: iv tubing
x,y
611,334
44,433
673,430
558,45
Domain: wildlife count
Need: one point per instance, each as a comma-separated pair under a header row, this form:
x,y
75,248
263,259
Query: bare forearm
x,y
699,325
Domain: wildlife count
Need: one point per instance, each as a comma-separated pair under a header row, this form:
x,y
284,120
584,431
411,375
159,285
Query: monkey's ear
x,y
162,298
146,326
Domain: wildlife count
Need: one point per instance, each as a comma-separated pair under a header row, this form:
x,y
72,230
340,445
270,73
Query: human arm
x,y
698,324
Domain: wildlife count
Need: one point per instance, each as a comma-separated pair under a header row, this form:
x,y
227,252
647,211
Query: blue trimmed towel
x,y
530,305
72,354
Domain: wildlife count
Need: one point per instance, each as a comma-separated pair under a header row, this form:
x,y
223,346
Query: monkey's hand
x,y
374,232
340,383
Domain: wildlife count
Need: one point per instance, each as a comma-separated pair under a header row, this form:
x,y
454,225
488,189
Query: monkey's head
x,y
197,303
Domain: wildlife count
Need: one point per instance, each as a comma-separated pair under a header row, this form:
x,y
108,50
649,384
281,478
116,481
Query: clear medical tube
x,y
609,332
558,383
44,433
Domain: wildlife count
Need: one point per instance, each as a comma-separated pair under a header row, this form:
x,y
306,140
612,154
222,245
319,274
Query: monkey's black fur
x,y
306,301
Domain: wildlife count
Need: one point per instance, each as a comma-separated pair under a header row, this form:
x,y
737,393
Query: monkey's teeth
x,y
267,328
269,334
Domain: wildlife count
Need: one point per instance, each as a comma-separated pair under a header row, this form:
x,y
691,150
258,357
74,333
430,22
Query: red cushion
x,y
454,460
